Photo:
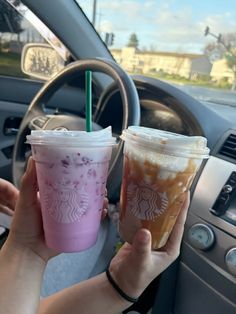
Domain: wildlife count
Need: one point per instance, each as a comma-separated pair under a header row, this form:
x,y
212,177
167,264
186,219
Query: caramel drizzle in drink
x,y
174,188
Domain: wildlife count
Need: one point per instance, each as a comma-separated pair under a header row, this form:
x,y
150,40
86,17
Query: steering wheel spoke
x,y
39,122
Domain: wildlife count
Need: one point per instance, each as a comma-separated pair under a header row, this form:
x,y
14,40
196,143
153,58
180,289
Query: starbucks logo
x,y
66,205
145,202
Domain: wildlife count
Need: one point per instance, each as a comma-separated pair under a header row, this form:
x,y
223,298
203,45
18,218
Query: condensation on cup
x,y
159,168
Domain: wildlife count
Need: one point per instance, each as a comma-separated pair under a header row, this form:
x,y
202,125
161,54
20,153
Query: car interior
x,y
203,278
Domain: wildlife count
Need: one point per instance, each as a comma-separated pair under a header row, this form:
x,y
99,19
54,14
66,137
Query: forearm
x,y
20,281
95,295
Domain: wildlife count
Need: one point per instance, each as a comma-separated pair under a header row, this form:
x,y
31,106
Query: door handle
x,y
11,131
11,125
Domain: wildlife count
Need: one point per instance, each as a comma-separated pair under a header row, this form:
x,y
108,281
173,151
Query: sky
x,y
163,25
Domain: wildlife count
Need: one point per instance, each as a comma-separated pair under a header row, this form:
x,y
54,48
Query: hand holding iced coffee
x,y
136,265
159,168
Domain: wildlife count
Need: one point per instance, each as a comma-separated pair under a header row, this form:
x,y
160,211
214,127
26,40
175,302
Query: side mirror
x,y
40,61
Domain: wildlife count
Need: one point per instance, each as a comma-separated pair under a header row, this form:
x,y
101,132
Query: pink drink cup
x,y
72,182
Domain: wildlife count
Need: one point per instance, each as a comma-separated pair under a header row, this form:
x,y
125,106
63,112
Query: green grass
x,y
10,64
203,82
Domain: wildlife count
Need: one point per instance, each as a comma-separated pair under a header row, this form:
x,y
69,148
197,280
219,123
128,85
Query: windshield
x,y
185,42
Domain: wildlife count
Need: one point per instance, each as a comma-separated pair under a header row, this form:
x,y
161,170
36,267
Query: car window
x,y
16,32
191,44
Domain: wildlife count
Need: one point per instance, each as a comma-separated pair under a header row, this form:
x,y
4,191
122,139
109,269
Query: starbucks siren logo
x,y
66,205
145,202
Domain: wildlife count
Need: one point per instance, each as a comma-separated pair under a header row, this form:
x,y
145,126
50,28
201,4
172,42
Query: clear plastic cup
x,y
159,167
72,168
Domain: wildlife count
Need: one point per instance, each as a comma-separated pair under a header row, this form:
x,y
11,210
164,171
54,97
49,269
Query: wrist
x,y
113,297
24,254
117,288
21,274
128,287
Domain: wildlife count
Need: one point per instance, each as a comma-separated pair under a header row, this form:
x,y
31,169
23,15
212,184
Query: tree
x,y
231,62
223,47
133,41
10,20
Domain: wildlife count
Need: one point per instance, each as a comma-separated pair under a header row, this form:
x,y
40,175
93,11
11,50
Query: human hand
x,y
136,265
8,197
27,227
26,230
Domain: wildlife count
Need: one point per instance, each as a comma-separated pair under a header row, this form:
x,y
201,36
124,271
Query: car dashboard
x,y
208,256
207,265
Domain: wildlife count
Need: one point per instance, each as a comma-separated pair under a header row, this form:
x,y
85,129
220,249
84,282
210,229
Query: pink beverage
x,y
72,170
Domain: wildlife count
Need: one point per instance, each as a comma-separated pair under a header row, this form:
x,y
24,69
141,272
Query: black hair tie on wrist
x,y
118,289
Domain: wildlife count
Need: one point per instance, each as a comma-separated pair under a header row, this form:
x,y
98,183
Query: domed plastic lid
x,y
167,142
72,138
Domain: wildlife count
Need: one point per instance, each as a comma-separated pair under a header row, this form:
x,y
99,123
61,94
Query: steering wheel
x,y
36,117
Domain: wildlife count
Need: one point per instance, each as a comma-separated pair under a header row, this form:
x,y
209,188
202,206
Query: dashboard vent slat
x,y
228,149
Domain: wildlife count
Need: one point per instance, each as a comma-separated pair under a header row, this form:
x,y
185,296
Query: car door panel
x,y
15,96
191,289
22,91
10,117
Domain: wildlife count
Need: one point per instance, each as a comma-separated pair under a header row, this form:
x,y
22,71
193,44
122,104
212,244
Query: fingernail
x,y
144,236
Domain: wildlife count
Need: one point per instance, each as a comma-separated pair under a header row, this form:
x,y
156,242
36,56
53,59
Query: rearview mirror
x,y
40,61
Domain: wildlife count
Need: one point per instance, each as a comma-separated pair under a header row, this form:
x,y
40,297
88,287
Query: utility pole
x,y
99,22
94,12
218,38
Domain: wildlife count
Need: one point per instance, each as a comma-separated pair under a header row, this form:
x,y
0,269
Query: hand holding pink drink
x,y
72,170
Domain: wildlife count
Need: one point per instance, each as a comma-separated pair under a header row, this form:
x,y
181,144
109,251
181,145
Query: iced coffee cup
x,y
159,168
72,168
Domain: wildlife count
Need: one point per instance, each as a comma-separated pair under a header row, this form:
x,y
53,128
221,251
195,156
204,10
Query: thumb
x,y
29,185
141,247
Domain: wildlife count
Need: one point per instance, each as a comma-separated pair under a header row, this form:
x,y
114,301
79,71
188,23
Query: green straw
x,y
88,106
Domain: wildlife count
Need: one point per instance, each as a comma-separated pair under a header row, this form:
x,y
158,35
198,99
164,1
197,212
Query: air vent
x,y
228,149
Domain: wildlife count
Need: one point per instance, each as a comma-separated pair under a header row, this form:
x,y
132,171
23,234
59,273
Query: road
x,y
209,94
